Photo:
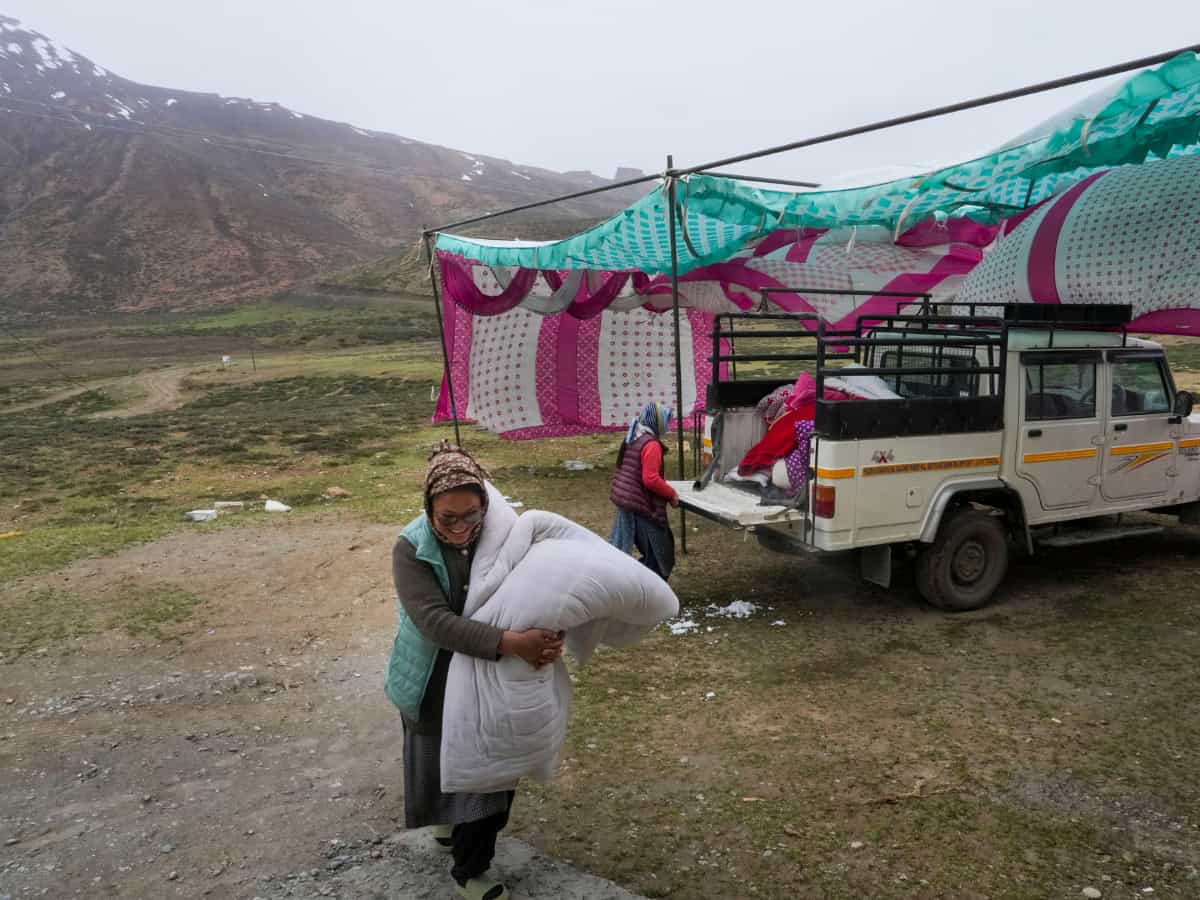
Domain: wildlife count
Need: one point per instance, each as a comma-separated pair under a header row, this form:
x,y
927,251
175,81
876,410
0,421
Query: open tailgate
x,y
730,506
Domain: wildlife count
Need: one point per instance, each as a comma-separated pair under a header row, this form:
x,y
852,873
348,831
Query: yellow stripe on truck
x,y
937,465
1190,442
1059,456
835,474
1132,449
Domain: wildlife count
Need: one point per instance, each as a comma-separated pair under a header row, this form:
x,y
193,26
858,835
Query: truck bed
x,y
733,507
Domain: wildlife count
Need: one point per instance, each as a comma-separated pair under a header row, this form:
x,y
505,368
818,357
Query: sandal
x,y
483,889
443,837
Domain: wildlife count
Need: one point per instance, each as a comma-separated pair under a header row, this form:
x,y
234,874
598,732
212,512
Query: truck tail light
x,y
824,501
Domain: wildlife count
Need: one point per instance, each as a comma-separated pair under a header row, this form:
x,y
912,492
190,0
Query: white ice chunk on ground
x,y
738,609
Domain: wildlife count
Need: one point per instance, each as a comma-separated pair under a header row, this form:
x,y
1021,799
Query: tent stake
x,y
437,304
678,356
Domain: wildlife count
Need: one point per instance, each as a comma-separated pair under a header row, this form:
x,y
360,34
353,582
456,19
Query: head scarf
x,y
452,467
653,420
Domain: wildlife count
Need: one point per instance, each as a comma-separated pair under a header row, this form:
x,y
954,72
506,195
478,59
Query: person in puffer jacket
x,y
431,565
641,494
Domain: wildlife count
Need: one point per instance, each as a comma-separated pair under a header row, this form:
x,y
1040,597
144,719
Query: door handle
x,y
1035,432
1121,427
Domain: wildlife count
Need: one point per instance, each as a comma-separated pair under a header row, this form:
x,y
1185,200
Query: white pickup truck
x,y
1004,432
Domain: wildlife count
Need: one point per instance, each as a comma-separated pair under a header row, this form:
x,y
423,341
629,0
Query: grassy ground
x,y
46,617
865,747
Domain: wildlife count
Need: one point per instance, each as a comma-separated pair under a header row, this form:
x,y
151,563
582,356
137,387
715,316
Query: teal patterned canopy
x,y
1150,116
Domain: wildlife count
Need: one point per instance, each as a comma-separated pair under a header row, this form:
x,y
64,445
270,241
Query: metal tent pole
x,y
1040,87
706,168
670,175
537,204
784,181
437,303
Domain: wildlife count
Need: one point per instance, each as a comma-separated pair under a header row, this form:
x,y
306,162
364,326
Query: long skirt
x,y
424,802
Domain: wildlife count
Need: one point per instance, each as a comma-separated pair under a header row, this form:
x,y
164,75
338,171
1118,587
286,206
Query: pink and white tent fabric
x,y
524,375
1128,235
544,354
1100,204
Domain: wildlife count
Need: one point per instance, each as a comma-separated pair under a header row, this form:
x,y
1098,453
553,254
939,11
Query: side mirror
x,y
1183,403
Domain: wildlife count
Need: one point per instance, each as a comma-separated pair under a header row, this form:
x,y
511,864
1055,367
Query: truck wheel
x,y
965,564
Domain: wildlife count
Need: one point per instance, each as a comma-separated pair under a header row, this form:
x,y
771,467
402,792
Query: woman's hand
x,y
536,646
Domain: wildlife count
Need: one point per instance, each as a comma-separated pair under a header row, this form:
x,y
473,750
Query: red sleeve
x,y
652,458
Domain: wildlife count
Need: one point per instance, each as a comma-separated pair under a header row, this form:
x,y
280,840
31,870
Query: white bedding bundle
x,y
506,720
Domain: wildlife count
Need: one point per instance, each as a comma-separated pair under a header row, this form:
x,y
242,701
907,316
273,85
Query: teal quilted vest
x,y
413,657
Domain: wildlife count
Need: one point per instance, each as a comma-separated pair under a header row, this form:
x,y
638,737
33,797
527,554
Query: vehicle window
x,y
1060,390
1139,387
956,375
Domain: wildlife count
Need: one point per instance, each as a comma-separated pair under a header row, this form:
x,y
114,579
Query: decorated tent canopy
x,y
1153,115
1099,204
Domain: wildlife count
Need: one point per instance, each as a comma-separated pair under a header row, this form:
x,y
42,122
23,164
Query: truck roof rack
x,y
1095,314
918,325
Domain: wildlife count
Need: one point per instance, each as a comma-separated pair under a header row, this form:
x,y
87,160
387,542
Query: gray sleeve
x,y
422,598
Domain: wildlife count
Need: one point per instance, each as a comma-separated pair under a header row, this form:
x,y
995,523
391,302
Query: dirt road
x,y
257,758
152,391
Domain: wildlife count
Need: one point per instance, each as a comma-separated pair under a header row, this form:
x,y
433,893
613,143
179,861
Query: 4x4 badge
x,y
883,456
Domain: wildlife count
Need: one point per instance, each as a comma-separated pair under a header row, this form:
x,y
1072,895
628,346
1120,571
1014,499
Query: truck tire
x,y
966,562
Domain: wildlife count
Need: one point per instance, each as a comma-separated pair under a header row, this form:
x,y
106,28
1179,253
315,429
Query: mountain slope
x,y
117,195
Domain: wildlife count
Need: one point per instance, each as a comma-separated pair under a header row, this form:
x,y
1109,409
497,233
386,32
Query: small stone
x,y
172,876
167,848
335,493
1091,892
10,700
146,798
857,845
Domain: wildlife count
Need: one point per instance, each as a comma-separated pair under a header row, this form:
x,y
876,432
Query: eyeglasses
x,y
460,523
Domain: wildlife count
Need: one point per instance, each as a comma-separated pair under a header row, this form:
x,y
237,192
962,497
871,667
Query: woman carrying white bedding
x,y
431,565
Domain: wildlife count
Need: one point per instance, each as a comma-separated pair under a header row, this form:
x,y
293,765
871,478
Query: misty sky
x,y
570,85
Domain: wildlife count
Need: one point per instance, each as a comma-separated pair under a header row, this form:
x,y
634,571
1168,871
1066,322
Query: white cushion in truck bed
x,y
732,506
